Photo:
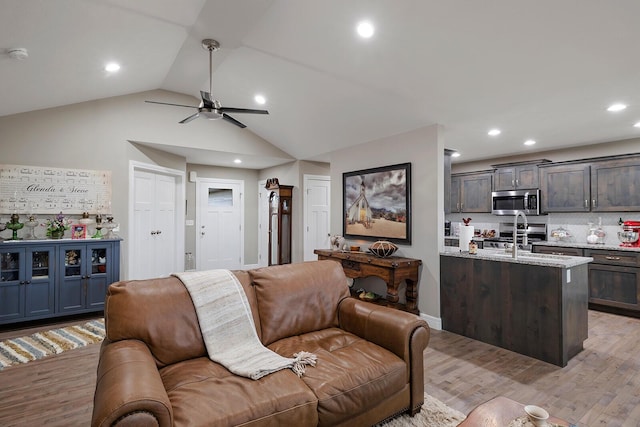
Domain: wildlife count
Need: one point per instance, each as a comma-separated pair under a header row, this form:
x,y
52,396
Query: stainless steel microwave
x,y
512,201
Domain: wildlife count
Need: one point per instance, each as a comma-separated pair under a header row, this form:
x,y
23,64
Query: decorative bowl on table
x,y
383,249
627,237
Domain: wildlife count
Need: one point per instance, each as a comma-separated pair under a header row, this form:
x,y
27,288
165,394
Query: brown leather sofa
x,y
154,369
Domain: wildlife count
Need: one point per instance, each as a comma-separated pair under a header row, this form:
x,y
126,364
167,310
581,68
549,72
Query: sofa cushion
x,y
160,313
294,299
203,393
351,375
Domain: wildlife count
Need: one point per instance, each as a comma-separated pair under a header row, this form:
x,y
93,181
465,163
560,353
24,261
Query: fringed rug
x,y
42,344
434,413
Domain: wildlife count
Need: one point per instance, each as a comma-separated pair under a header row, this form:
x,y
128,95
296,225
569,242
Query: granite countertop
x,y
585,245
524,257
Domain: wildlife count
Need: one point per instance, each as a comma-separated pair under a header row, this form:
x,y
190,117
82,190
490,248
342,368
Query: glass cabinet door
x,y
73,262
41,264
10,266
99,260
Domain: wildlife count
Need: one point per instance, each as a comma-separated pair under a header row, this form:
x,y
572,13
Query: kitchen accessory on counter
x,y
561,234
596,235
447,228
629,234
466,235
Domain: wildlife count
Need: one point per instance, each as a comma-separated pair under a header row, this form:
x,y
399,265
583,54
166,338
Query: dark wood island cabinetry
x,y
528,305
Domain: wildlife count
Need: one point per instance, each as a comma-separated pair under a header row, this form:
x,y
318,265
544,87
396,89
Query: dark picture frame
x,y
377,203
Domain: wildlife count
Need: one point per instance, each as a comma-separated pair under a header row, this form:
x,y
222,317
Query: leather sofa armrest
x,y
404,334
129,387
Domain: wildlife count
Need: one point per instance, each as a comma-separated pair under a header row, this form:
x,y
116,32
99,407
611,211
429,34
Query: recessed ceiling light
x,y
529,142
365,29
637,125
455,154
237,161
616,107
112,67
260,99
494,132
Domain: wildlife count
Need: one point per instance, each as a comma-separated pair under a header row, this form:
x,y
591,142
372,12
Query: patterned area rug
x,y
42,344
434,413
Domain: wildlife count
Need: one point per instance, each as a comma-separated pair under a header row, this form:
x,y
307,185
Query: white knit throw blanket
x,y
228,330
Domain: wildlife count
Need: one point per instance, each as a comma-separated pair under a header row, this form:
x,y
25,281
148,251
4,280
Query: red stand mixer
x,y
629,234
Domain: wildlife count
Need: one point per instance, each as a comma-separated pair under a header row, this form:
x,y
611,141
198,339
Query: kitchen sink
x,y
524,255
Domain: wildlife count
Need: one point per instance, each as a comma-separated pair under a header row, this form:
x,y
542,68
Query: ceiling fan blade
x,y
167,103
207,102
234,121
241,110
191,117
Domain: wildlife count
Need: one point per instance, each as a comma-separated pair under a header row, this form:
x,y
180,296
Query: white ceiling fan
x,y
210,108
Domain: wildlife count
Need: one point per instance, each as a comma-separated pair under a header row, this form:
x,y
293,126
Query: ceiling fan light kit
x,y
210,108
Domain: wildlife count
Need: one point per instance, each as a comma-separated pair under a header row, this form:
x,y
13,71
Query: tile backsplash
x,y
577,223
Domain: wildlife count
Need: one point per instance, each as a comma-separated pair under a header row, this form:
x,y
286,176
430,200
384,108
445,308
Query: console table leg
x,y
412,294
392,292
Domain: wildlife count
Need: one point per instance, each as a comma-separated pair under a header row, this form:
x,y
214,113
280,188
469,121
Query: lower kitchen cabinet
x,y
42,279
614,277
557,250
614,281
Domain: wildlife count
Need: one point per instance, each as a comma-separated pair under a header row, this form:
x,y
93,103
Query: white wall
x,y
424,149
97,135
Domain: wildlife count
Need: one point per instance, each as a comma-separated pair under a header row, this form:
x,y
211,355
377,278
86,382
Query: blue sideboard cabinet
x,y
49,278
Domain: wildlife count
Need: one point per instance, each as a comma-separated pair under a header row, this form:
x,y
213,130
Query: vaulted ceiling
x,y
543,70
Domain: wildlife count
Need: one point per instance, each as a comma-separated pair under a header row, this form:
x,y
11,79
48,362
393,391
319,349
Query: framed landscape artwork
x,y
377,203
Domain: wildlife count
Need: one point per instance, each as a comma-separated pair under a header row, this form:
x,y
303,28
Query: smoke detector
x,y
18,53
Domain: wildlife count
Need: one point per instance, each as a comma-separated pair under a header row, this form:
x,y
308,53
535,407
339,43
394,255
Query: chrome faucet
x,y
515,233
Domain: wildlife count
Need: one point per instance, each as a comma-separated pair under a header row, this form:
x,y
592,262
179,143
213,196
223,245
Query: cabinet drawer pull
x,y
586,203
595,203
557,253
613,258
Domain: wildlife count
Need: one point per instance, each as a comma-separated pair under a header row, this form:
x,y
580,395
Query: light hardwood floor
x,y
599,387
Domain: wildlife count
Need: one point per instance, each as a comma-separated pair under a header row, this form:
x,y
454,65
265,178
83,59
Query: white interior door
x,y
219,224
156,244
317,203
141,246
165,236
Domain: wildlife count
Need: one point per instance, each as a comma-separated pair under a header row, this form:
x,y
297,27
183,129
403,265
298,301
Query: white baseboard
x,y
433,322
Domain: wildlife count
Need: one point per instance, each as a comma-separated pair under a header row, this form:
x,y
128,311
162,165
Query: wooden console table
x,y
393,270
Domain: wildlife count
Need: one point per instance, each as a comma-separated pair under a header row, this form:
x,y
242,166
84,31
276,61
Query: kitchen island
x,y
535,305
